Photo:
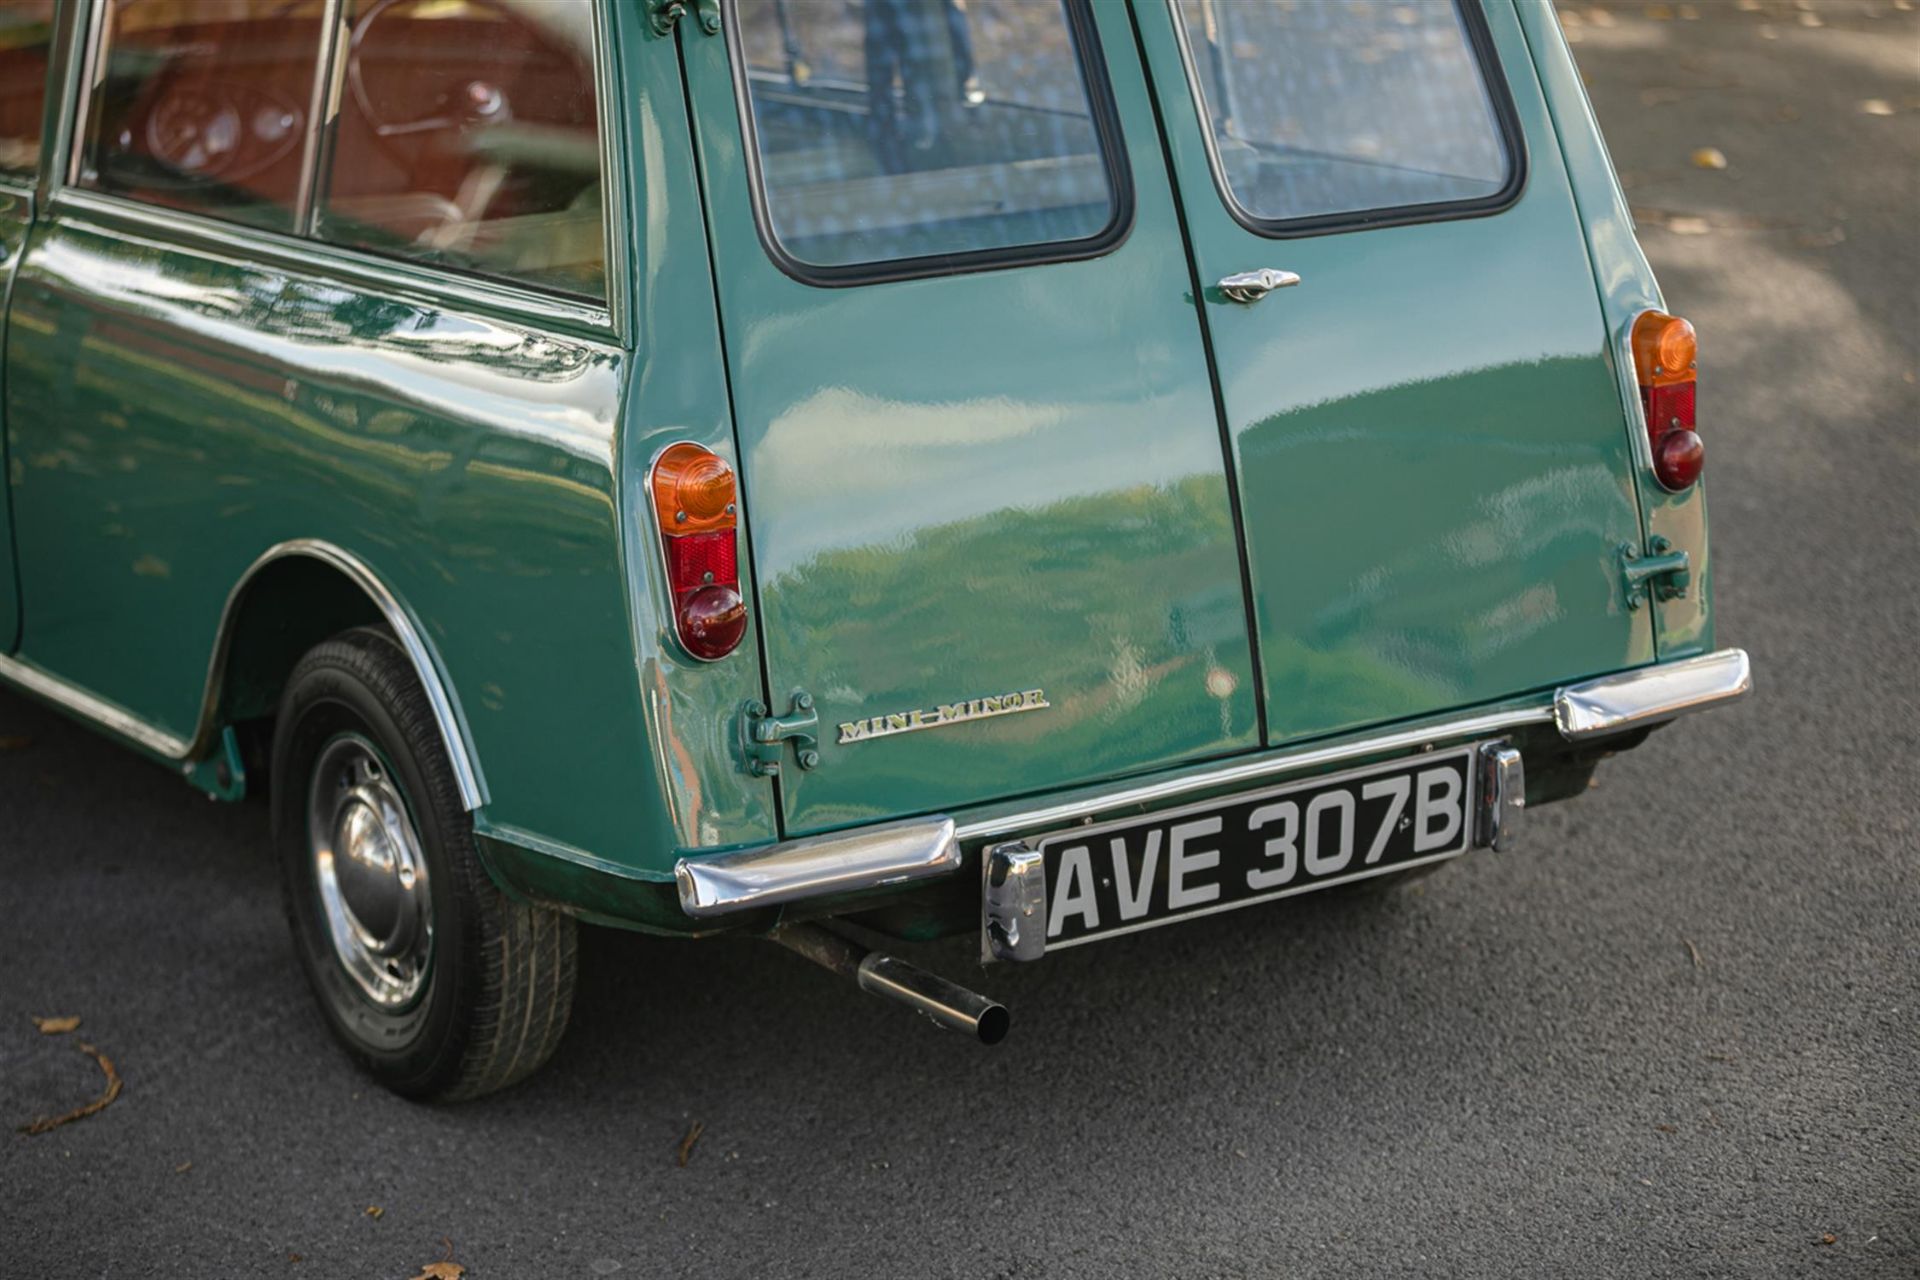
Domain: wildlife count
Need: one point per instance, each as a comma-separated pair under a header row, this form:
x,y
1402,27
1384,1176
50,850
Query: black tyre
x,y
436,982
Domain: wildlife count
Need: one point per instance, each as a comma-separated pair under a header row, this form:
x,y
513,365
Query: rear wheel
x,y
435,981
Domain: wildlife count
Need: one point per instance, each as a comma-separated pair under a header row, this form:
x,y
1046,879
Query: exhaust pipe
x,y
876,973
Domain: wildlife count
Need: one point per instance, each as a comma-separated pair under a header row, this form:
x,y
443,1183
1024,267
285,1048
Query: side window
x,y
204,106
1334,112
891,131
26,40
467,136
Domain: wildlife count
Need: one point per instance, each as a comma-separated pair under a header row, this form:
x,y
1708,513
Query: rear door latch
x,y
1662,571
763,737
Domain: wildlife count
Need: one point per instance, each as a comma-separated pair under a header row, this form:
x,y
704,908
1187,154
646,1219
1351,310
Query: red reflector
x,y
702,558
712,620
1669,408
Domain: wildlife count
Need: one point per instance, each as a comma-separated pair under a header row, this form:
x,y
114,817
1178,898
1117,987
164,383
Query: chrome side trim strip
x,y
118,720
110,716
1032,820
817,866
1650,695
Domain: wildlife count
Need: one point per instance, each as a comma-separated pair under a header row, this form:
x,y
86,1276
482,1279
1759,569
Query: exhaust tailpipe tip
x,y
947,1004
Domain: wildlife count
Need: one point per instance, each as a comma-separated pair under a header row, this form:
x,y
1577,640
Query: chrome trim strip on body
x,y
817,866
110,716
118,720
1651,695
864,859
1153,793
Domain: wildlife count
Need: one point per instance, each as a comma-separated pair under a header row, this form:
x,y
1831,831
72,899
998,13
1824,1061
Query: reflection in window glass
x,y
467,137
1322,109
203,105
26,39
897,129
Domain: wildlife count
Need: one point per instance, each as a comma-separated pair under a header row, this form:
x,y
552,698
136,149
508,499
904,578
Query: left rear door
x,y
26,44
979,452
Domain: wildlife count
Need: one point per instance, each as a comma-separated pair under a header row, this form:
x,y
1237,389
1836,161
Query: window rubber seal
x,y
1473,20
1106,123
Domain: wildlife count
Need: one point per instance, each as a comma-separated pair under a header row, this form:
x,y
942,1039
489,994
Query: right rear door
x,y
1434,469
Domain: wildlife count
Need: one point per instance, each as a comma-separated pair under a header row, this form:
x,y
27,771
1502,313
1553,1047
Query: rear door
x,y
1425,428
985,482
26,43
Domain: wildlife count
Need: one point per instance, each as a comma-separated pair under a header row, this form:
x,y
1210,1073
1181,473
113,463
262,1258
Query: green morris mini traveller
x,y
1036,469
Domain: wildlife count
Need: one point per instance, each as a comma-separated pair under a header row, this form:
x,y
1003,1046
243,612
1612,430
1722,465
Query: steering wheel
x,y
476,101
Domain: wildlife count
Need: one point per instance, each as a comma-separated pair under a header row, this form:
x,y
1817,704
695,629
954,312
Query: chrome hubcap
x,y
370,871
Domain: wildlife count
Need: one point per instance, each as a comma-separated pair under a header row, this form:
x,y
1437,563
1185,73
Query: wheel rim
x,y
370,872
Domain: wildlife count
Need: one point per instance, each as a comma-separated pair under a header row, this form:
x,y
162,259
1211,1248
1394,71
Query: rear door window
x,y
26,38
467,136
902,137
1322,114
204,106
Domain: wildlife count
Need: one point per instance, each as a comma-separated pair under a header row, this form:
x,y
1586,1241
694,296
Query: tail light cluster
x,y
694,503
1664,351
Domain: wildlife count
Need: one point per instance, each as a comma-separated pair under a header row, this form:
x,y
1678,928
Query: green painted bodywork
x,y
954,487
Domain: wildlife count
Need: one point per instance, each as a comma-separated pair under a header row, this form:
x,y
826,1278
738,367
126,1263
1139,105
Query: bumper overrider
x,y
1013,887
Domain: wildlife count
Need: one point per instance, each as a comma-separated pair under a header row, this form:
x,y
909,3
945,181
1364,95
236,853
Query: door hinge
x,y
763,737
663,14
1663,571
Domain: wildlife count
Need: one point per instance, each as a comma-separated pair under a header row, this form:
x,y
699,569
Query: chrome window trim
x,y
447,715
294,255
303,248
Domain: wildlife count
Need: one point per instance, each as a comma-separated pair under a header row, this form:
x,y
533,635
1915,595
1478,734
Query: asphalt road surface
x,y
1678,1035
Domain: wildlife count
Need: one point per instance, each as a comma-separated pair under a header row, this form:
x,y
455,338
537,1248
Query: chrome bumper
x,y
898,852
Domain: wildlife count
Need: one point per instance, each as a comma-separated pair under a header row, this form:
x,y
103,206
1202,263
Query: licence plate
x,y
1138,873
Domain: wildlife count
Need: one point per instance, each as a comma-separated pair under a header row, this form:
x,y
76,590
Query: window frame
x,y
1102,112
303,249
1506,118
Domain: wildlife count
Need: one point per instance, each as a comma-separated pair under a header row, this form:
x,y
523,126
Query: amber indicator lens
x,y
1665,360
693,490
694,498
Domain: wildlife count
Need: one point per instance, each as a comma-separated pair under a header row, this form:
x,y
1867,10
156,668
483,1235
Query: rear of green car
x,y
1163,433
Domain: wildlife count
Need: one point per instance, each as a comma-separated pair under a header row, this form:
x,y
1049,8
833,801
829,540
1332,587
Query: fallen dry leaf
x,y
1694,952
1829,1238
446,1268
183,1166
1749,6
686,1144
1709,158
1660,12
57,1026
1811,20
1666,1128
46,1123
375,1212
1875,107
1688,225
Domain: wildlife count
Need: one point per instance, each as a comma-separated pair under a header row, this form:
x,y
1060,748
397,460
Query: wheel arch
x,y
293,596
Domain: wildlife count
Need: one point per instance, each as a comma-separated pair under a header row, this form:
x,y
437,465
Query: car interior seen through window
x,y
463,132
907,129
26,38
1322,110
467,136
204,106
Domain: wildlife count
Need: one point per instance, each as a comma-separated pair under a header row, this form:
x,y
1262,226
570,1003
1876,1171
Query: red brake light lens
x,y
1665,359
694,499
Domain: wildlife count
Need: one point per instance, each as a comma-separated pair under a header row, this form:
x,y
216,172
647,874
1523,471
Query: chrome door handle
x,y
1251,286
